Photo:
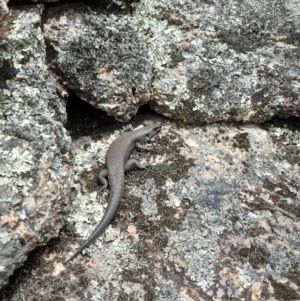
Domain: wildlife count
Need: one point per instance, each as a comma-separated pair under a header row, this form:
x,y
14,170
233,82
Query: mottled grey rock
x,y
224,60
103,59
194,61
3,10
227,207
240,237
217,215
35,150
226,227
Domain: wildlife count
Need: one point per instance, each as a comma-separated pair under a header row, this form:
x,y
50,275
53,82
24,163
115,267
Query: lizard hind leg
x,y
143,147
133,162
102,175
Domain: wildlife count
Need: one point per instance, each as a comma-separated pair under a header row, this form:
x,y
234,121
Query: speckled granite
x,y
217,215
194,61
35,151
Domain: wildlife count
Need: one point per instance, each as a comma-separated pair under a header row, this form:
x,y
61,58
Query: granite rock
x,y
215,217
35,150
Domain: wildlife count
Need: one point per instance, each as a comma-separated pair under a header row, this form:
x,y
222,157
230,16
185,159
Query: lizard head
x,y
151,128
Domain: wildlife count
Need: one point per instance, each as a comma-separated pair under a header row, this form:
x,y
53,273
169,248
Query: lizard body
x,y
117,163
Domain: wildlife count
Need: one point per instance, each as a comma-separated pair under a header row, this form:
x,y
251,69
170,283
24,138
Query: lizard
x,y
117,163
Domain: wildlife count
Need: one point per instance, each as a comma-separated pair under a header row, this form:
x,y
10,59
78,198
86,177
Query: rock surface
x,y
195,61
104,60
217,215
3,10
227,60
35,150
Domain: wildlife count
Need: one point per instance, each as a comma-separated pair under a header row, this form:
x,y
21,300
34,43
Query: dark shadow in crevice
x,y
103,6
85,120
106,7
292,123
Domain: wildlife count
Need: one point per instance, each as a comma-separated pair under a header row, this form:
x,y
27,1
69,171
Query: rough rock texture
x,y
34,147
226,60
216,217
3,10
196,61
104,60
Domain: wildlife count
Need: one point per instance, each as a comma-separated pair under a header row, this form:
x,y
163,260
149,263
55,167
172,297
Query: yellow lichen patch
x,y
131,229
11,219
110,237
30,203
256,291
58,268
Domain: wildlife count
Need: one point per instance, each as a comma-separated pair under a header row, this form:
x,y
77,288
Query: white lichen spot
x,y
246,276
4,236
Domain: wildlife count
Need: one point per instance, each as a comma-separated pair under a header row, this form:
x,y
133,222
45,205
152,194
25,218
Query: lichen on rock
x,y
104,60
34,146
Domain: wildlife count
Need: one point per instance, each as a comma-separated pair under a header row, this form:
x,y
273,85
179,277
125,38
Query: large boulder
x,y
35,150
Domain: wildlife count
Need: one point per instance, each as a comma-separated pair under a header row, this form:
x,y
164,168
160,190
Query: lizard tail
x,y
112,207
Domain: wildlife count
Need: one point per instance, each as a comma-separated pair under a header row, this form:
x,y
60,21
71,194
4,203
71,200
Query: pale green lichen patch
x,y
15,163
194,253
